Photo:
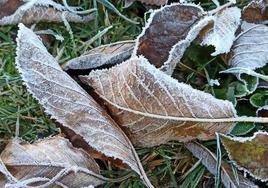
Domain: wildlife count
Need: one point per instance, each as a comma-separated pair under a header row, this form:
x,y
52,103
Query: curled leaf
x,y
69,104
209,160
222,34
250,49
154,108
47,163
105,55
45,11
249,154
165,27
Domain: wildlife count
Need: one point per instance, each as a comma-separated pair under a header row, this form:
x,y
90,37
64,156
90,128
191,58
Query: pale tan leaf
x,y
69,104
105,55
165,28
154,108
222,35
147,2
250,47
42,11
249,154
48,163
209,160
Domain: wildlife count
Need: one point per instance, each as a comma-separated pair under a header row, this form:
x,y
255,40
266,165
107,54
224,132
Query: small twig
x,y
218,9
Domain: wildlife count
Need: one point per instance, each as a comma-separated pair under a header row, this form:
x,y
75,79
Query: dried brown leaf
x,y
69,104
48,163
209,160
250,47
105,55
14,12
165,27
147,2
256,12
249,154
154,108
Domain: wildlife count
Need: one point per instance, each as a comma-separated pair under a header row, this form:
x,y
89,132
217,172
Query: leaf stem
x,y
218,9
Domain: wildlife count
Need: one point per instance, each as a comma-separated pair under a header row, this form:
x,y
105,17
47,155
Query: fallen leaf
x,y
165,27
250,49
48,163
105,55
154,108
209,160
178,50
69,104
262,111
15,12
249,154
147,2
255,12
222,35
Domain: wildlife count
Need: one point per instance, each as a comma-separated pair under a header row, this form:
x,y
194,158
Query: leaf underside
x,y
250,49
106,55
68,103
152,107
222,34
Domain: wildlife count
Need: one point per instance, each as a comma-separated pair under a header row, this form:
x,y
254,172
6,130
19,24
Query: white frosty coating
x,y
222,34
69,104
250,47
153,13
243,140
157,108
54,154
39,8
262,108
177,51
213,82
109,54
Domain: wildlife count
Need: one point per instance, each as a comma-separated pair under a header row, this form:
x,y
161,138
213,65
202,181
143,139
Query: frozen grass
x,y
169,165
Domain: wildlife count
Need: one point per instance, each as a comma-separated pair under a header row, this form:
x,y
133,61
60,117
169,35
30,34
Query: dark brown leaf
x,y
165,27
256,11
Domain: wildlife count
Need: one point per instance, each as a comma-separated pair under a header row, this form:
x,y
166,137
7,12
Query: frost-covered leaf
x,y
263,111
249,154
49,163
259,99
177,51
45,11
222,35
209,160
165,27
255,11
154,108
69,104
105,55
250,47
147,2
